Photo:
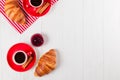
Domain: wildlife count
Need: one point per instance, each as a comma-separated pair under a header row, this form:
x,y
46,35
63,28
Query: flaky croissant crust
x,y
14,12
46,63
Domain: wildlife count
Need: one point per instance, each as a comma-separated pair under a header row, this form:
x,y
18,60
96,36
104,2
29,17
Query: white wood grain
x,y
112,39
93,40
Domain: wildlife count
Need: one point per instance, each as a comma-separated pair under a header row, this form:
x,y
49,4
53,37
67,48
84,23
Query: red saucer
x,y
20,46
32,11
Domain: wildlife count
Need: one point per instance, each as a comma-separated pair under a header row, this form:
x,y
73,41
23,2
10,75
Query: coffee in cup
x,y
36,3
19,57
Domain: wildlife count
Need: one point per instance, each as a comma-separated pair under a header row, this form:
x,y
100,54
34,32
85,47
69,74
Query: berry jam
x,y
37,40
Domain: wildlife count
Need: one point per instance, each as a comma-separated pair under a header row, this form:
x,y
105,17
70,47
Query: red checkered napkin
x,y
30,19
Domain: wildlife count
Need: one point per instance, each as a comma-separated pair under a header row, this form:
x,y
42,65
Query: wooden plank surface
x,y
85,33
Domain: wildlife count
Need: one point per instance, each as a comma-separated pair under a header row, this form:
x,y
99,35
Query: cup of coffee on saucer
x,y
20,57
37,7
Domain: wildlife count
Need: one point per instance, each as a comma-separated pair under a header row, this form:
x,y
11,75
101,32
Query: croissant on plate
x,y
46,63
14,12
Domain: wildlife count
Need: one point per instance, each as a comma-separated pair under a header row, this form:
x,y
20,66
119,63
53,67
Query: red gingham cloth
x,y
30,19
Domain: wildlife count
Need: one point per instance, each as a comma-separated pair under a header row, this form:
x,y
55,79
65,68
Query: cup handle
x,y
29,53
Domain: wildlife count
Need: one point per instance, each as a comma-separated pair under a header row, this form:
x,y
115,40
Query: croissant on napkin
x,y
14,12
46,63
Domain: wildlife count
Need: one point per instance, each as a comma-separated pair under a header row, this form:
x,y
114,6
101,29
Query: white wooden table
x,y
86,34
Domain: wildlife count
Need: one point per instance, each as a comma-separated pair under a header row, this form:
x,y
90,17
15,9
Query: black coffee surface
x,y
36,2
19,57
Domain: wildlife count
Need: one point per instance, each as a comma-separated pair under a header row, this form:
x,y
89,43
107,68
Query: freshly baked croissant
x,y
46,64
14,12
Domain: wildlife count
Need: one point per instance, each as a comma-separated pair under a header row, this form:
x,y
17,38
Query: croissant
x,y
46,63
14,12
